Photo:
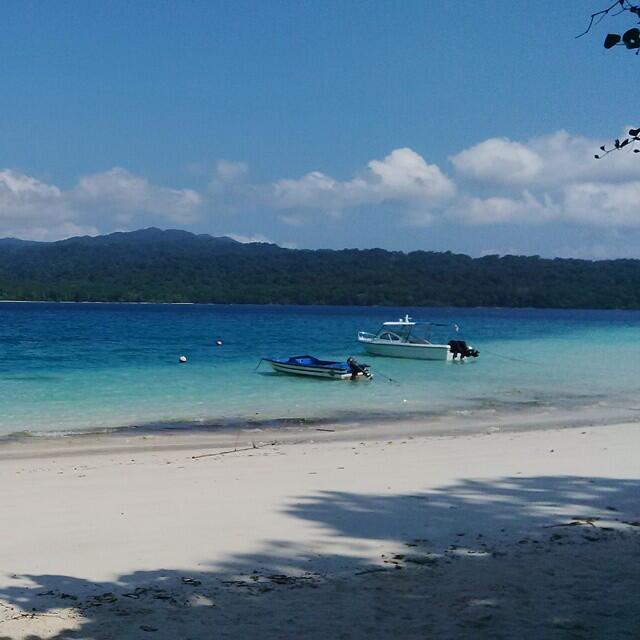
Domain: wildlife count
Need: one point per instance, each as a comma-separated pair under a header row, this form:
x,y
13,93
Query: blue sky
x,y
466,125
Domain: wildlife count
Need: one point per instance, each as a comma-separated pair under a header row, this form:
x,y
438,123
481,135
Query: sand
x,y
384,532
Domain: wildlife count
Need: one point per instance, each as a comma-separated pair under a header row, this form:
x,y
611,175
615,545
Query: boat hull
x,y
309,371
312,367
413,351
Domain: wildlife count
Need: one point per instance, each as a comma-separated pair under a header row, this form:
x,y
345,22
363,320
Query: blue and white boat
x,y
310,366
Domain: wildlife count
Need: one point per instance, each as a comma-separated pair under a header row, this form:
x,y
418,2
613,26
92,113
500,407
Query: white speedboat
x,y
405,338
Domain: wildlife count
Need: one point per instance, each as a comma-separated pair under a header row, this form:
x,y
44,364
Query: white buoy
x,y
182,358
218,343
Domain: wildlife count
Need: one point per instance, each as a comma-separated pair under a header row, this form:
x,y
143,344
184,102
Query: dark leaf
x,y
602,148
617,143
631,38
597,157
634,132
611,40
636,151
624,143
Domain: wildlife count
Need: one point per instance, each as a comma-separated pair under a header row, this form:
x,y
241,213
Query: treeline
x,y
176,266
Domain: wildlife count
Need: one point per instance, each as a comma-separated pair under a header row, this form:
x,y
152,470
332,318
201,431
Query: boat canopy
x,y
406,321
406,330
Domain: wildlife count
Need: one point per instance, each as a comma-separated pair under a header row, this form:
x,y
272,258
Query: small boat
x,y
310,366
405,338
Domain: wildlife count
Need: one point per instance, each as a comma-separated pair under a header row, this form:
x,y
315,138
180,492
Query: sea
x,y
77,368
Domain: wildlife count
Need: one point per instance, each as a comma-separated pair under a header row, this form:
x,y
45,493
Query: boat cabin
x,y
406,331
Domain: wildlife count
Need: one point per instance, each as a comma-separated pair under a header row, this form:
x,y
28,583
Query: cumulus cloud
x,y
561,179
122,192
23,195
499,160
500,210
33,209
405,175
497,181
545,162
604,204
402,177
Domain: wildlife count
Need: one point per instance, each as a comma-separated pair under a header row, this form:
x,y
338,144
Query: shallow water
x,y
82,367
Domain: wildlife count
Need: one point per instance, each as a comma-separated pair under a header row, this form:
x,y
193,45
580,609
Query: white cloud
x,y
549,179
604,204
238,237
405,175
499,160
22,195
402,177
498,181
550,161
563,182
122,192
30,208
317,191
568,158
230,171
501,210
33,209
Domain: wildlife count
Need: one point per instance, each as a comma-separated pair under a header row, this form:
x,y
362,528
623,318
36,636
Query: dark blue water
x,y
67,367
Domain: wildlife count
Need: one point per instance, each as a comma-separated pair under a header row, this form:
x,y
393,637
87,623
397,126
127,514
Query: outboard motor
x,y
460,349
355,367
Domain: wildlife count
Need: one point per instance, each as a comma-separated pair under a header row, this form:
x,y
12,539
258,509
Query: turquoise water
x,y
79,367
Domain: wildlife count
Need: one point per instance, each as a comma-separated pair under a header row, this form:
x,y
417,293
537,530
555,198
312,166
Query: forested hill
x,y
151,265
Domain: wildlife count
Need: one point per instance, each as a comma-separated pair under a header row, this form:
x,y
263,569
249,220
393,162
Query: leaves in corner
x,y
632,38
611,40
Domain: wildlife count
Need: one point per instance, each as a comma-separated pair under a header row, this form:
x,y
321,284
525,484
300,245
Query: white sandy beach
x,y
498,534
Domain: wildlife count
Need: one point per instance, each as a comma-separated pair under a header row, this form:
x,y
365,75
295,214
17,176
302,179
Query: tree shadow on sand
x,y
535,557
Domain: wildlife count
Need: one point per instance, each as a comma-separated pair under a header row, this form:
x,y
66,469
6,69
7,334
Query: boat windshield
x,y
407,333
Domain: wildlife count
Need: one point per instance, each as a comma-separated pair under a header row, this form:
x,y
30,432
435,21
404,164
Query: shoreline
x,y
333,306
243,433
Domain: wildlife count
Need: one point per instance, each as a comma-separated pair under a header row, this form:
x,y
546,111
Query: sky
x,y
467,126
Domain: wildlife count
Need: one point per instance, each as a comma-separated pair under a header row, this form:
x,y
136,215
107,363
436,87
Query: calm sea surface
x,y
79,367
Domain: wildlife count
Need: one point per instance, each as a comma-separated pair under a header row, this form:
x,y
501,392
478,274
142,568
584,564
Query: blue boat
x,y
310,366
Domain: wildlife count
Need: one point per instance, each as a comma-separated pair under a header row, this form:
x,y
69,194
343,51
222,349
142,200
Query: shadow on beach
x,y
518,557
